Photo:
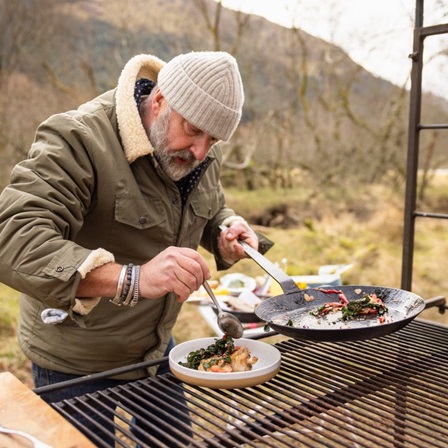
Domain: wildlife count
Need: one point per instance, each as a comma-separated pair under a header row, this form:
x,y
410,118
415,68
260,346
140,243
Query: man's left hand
x,y
229,247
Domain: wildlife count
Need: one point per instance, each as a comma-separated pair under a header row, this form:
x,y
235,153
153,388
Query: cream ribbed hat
x,y
205,87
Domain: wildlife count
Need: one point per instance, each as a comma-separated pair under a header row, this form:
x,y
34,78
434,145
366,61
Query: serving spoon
x,y
228,323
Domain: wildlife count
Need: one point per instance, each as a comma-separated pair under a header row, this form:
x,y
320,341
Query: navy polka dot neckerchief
x,y
187,183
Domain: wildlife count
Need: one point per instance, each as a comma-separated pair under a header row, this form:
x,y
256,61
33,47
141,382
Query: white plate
x,y
236,283
267,366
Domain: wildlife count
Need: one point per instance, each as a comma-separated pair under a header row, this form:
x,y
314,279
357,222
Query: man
x,y
99,226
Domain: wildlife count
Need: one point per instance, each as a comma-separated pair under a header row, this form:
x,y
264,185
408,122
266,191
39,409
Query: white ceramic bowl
x,y
267,366
236,283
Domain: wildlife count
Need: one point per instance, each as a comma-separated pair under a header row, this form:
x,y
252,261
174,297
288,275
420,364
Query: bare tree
x,y
212,16
237,154
23,24
324,127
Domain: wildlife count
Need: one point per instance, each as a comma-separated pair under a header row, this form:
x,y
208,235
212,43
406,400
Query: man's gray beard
x,y
157,137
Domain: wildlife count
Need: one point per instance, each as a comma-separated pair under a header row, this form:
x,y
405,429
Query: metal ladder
x,y
415,128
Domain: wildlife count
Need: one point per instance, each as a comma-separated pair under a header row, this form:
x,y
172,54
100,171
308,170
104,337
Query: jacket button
x,y
59,269
142,220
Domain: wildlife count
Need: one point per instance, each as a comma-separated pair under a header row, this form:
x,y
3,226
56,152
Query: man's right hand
x,y
176,269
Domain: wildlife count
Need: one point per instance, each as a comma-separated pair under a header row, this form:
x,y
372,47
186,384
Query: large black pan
x,y
289,314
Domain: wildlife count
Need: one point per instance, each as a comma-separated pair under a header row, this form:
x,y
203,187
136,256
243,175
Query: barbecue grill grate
x,y
385,392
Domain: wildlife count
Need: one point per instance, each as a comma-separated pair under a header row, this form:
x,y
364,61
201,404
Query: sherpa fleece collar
x,y
132,132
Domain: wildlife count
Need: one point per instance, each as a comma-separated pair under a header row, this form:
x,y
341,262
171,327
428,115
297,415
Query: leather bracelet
x,y
116,299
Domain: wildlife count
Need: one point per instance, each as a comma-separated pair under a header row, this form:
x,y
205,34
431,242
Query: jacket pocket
x,y
203,207
139,213
205,204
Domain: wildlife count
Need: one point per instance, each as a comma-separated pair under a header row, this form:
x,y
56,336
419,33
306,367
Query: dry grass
x,y
11,357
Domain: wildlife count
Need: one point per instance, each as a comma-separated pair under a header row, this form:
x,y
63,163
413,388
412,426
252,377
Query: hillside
x,y
307,104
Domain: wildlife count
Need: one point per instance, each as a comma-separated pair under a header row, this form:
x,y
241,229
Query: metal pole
x,y
413,149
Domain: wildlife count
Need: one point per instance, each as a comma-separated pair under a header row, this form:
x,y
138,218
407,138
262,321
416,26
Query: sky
x,y
376,34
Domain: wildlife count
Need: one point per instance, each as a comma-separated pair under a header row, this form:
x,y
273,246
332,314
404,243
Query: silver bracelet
x,y
136,291
116,299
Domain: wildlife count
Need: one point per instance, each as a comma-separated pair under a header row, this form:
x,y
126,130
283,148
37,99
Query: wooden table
x,y
22,409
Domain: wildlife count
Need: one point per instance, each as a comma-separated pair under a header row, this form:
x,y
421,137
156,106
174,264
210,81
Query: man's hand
x,y
228,245
176,269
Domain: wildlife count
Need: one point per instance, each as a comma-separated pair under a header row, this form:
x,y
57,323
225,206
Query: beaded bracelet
x,y
125,294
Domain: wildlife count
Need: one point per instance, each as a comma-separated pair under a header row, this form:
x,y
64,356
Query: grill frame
x,y
384,392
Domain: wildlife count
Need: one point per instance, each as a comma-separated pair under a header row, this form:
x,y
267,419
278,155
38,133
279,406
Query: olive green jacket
x,y
89,193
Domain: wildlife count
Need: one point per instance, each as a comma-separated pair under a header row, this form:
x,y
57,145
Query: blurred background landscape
x,y
318,163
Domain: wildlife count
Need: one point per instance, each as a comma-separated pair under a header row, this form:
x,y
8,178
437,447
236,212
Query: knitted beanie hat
x,y
205,87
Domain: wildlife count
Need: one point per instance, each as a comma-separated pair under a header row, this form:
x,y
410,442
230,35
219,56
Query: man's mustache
x,y
184,154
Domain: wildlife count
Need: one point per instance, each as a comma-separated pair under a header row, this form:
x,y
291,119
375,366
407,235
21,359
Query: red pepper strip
x,y
333,305
341,295
329,307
